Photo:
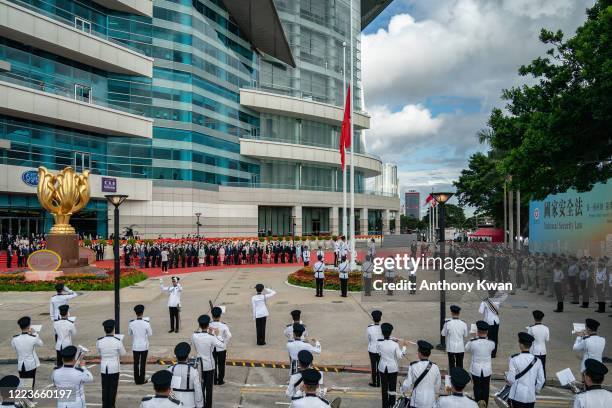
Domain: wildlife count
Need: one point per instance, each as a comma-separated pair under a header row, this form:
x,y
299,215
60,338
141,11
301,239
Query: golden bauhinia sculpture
x,y
63,195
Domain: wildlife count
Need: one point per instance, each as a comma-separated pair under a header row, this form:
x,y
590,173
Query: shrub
x,y
305,278
90,282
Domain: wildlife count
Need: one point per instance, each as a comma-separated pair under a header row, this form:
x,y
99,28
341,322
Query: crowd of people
x,y
19,247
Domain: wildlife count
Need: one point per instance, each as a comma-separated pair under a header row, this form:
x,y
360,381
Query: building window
x,y
83,25
82,161
82,93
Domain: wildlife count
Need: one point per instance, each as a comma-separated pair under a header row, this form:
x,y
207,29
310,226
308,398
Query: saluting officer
x,y
260,311
174,302
64,329
71,377
110,348
296,316
140,330
319,273
343,275
480,367
162,384
205,341
188,389
296,345
25,346
591,345
459,379
455,330
8,385
541,335
294,388
63,295
390,352
220,352
374,334
593,396
489,308
525,375
311,399
423,378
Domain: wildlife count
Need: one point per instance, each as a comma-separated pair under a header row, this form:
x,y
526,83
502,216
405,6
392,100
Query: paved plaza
x,y
339,323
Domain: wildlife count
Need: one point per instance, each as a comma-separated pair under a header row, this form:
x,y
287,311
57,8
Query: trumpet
x,y
81,351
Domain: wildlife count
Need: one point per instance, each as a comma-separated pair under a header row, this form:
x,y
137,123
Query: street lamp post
x,y
442,198
293,230
116,200
198,215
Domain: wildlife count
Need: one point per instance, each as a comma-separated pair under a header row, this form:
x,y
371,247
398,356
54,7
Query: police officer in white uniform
x,y
319,274
591,344
459,379
220,353
71,377
25,345
541,335
296,345
260,311
390,353
63,295
525,375
489,308
366,268
294,389
423,378
593,396
174,302
205,341
455,330
343,275
373,334
186,379
64,329
8,385
480,367
162,383
306,255
140,330
296,316
311,399
110,348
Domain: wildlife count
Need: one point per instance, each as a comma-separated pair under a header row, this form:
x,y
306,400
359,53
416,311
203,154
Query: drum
x,y
501,398
402,402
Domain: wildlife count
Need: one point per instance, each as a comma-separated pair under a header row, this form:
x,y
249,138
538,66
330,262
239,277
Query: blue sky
x,y
433,70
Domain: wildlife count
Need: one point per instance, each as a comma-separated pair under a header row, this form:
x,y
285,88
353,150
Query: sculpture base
x,y
67,246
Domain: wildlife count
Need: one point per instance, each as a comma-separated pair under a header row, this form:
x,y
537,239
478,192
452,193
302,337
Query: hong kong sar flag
x,y
345,132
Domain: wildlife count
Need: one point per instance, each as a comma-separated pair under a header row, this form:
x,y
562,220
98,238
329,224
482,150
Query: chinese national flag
x,y
345,132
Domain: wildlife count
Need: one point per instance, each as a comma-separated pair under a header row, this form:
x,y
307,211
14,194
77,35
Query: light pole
x,y
198,215
442,198
293,230
116,200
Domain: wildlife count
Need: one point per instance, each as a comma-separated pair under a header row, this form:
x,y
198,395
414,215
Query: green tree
x,y
556,133
454,216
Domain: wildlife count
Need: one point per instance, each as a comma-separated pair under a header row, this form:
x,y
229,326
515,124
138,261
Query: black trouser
x,y
207,387
367,286
493,335
388,382
481,388
174,318
543,361
110,382
374,359
516,404
164,266
455,360
319,283
574,288
260,328
219,357
58,358
140,366
28,374
343,287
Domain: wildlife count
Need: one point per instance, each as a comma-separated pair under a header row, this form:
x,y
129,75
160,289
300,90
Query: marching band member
x,y
110,348
390,352
455,330
525,375
541,335
64,329
459,379
591,344
205,341
594,396
294,390
174,302
8,385
311,378
296,345
71,377
296,317
140,330
489,308
63,295
188,389
480,367
423,378
374,334
162,384
25,345
220,352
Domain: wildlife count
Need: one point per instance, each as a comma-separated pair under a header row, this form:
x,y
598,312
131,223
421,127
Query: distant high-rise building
x,y
412,205
387,183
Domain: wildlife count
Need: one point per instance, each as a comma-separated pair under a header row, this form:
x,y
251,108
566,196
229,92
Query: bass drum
x,y
501,398
402,402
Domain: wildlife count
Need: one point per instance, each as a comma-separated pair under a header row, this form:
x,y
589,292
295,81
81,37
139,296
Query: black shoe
x,y
176,331
171,331
372,385
220,382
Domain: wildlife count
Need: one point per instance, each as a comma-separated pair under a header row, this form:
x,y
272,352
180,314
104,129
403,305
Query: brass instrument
x,y
81,351
63,195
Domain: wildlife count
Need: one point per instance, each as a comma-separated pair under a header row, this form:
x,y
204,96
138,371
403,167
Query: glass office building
x,y
187,106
